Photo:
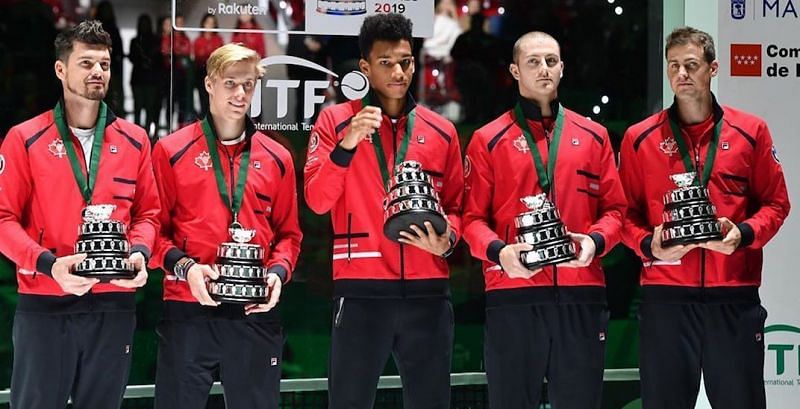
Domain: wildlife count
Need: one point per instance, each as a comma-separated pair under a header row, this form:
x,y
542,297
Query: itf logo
x,y
737,9
746,60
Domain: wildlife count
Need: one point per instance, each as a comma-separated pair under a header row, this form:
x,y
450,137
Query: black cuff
x,y
493,252
280,271
748,235
342,156
141,248
452,244
599,243
44,263
173,255
647,246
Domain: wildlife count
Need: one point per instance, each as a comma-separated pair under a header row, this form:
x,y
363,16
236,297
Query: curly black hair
x,y
383,27
88,32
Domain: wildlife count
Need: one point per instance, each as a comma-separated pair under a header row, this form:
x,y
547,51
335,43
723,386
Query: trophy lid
x,y
408,166
683,179
537,202
97,213
239,234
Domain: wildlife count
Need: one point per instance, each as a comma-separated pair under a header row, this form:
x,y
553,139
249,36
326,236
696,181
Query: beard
x,y
91,92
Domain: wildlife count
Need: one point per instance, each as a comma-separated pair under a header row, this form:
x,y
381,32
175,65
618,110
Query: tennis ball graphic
x,y
354,85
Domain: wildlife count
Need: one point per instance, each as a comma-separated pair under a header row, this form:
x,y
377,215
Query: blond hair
x,y
224,57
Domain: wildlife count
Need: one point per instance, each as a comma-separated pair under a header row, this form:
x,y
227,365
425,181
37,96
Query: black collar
x,y
716,108
249,126
532,111
409,106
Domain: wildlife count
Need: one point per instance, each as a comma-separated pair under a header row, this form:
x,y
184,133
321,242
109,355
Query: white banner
x,y
758,47
344,17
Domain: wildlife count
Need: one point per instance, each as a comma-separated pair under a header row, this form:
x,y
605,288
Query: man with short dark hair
x,y
390,298
72,335
551,322
700,306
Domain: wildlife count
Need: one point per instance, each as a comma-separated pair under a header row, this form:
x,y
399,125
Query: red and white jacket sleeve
x,y
769,194
326,166
15,192
146,206
165,253
453,187
611,205
478,195
286,226
637,233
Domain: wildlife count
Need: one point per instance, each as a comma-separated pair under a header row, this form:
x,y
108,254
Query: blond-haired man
x,y
213,173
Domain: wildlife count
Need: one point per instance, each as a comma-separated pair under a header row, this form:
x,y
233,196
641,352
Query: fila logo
x,y
746,60
273,361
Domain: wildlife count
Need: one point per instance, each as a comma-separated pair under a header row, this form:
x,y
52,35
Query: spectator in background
x,y
116,96
177,48
204,45
145,58
445,31
253,41
308,48
439,84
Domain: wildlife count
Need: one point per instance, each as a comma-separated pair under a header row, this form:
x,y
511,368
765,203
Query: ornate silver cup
x,y
542,228
242,275
105,244
411,200
689,217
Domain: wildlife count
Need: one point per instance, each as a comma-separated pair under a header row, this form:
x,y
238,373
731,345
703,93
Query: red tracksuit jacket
x,y
500,171
746,185
349,185
40,203
195,220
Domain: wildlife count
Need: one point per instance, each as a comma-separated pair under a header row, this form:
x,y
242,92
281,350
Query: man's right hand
x,y
363,124
198,277
673,253
70,283
509,260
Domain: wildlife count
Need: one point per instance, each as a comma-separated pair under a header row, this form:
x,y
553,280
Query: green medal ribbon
x,y
236,204
545,175
376,143
687,159
85,182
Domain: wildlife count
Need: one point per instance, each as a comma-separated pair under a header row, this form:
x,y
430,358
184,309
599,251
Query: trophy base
x,y
547,255
691,240
402,222
106,276
234,292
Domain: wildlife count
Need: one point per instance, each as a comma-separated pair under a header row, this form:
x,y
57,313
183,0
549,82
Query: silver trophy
x,y
105,244
411,200
242,275
689,217
542,228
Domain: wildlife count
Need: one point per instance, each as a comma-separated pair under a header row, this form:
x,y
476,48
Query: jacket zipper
x,y
698,175
552,195
349,229
41,240
402,248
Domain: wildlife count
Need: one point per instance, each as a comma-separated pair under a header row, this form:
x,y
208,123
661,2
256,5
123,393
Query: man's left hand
x,y
427,239
140,267
274,286
729,244
587,250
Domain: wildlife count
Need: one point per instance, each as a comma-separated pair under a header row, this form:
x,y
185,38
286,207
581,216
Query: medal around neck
x,y
242,275
105,244
411,200
542,228
689,217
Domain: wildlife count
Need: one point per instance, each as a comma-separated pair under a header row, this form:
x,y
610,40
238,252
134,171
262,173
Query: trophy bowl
x,y
542,228
106,246
411,199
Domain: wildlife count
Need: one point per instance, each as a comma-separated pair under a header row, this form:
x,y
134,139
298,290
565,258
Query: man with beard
x,y
72,335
